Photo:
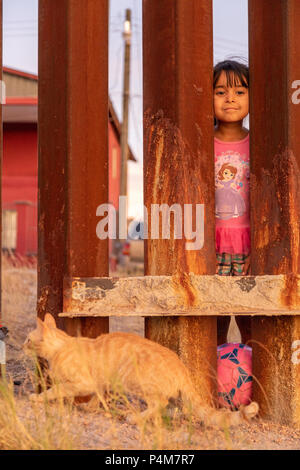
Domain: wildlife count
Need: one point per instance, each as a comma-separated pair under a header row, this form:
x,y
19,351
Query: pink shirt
x,y
232,173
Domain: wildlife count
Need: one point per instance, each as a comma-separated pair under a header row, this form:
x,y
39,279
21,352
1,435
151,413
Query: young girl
x,y
231,143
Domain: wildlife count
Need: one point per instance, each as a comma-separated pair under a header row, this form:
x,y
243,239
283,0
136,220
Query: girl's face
x,y
231,104
227,175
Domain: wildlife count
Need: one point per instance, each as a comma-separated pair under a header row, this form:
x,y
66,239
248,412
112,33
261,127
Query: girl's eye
x,y
222,92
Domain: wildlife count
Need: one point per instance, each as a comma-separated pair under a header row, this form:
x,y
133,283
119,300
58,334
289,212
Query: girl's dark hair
x,y
236,73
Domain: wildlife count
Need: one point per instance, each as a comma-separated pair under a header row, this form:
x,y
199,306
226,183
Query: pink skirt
x,y
233,240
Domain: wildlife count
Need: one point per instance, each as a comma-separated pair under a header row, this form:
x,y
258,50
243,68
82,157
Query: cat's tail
x,y
217,417
224,417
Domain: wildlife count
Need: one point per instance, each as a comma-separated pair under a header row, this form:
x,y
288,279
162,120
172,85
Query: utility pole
x,y
124,129
126,86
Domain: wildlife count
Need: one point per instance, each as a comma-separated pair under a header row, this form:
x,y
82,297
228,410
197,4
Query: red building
x,y
20,161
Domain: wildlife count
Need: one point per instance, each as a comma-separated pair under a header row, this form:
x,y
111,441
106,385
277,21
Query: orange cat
x,y
83,366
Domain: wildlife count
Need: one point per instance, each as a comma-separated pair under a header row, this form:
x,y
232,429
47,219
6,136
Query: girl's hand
x,y
247,266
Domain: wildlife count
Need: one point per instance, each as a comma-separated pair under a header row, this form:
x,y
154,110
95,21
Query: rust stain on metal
x,y
157,162
290,296
185,289
42,302
198,90
294,209
173,175
275,222
41,222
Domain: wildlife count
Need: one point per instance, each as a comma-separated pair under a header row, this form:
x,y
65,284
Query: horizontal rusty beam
x,y
180,295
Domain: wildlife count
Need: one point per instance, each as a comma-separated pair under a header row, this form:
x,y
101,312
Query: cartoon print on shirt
x,y
228,199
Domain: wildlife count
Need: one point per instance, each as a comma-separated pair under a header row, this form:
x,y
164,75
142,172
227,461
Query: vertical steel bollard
x,y
2,345
274,41
179,165
73,151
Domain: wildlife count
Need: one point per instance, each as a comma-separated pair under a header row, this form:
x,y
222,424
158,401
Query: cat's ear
x,y
49,320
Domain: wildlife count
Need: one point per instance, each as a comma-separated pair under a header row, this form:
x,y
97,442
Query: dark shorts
x,y
230,265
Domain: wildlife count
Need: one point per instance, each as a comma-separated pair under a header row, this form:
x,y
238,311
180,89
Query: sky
x,y
20,51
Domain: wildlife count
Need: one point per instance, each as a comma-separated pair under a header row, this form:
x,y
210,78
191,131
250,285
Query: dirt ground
x,y
101,430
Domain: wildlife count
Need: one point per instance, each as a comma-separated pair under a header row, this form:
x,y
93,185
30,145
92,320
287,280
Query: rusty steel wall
x,y
274,49
179,163
73,150
1,157
1,150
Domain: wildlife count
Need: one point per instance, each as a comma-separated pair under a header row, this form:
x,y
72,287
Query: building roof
x,y
22,103
20,73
